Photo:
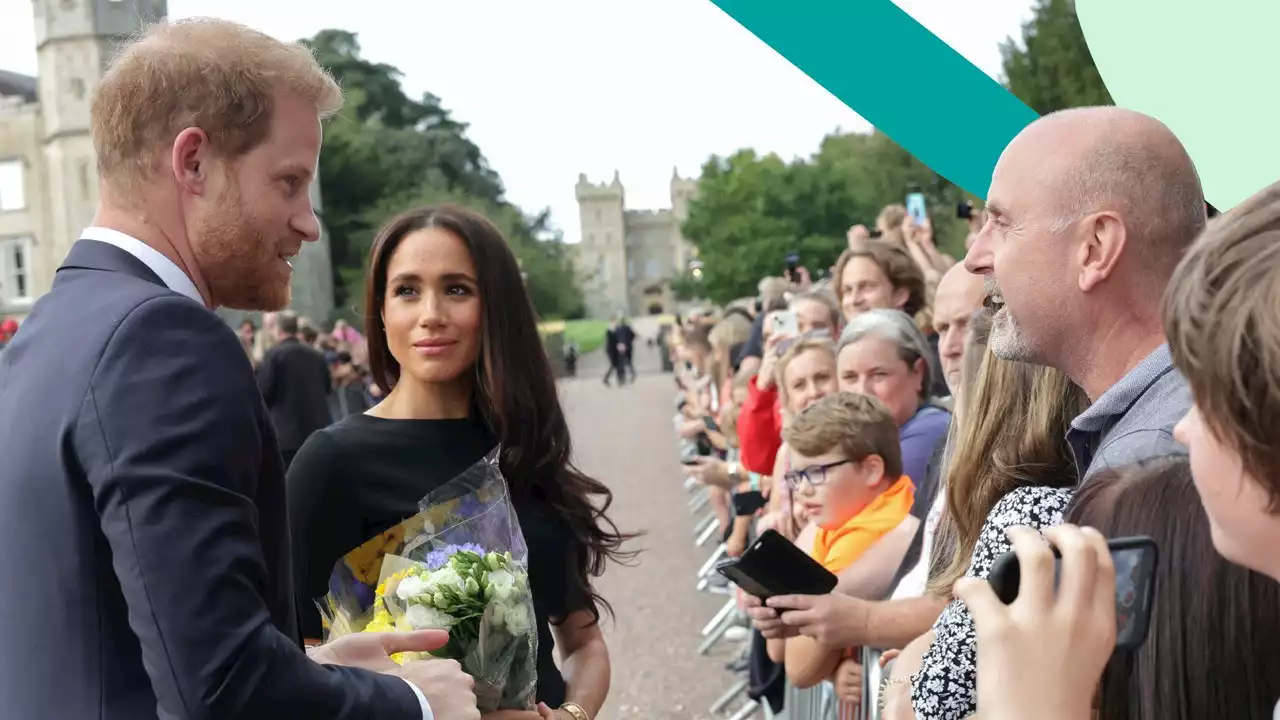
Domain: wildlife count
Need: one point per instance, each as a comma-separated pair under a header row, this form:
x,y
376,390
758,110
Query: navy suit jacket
x,y
143,528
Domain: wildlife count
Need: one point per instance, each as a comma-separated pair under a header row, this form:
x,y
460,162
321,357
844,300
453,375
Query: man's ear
x,y
190,160
1104,242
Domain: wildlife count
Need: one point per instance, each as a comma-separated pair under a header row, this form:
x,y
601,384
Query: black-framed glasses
x,y
816,475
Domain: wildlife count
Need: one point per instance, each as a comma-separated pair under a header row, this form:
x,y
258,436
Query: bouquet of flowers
x,y
460,565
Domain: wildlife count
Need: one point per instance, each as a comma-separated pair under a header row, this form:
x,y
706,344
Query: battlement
x,y
587,190
648,217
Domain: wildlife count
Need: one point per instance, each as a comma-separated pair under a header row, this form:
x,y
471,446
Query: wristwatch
x,y
576,711
734,476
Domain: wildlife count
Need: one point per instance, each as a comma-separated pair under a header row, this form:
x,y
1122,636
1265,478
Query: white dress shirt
x,y
176,280
169,273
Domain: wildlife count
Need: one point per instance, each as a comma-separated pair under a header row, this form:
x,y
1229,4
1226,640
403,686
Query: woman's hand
x,y
848,681
769,361
833,620
515,715
1042,656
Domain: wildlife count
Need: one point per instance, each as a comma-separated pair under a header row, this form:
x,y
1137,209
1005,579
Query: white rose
x,y
410,587
422,617
446,577
517,619
502,583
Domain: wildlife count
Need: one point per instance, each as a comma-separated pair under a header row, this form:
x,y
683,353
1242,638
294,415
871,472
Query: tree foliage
x,y
387,152
752,210
1051,68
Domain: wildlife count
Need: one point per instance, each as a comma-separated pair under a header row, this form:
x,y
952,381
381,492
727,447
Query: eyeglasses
x,y
816,475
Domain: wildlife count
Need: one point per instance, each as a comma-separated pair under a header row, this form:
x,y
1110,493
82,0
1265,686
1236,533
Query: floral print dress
x,y
945,687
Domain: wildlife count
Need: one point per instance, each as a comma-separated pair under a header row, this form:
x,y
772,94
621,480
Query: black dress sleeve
x,y
319,516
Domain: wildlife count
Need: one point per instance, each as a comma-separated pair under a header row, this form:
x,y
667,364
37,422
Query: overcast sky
x,y
557,87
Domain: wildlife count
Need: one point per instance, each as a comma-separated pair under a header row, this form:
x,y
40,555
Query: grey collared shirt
x,y
1134,419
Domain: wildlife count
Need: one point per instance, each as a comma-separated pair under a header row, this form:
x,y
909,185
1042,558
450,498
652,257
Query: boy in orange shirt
x,y
847,474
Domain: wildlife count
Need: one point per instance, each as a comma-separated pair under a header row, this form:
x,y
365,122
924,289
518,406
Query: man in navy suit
x,y
142,520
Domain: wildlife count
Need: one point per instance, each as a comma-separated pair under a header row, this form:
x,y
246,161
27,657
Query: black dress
x,y
364,475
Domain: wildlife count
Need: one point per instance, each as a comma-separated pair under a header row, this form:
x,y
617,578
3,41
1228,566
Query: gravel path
x,y
623,436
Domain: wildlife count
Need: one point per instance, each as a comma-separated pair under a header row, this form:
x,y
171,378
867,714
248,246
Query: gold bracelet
x,y
576,711
888,683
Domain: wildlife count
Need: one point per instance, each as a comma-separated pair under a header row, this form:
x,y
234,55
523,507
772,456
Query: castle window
x,y
13,194
77,88
631,269
15,270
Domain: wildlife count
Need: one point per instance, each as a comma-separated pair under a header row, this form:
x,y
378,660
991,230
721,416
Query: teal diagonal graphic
x,y
898,76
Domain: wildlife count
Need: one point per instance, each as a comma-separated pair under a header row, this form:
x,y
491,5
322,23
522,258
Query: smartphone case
x,y
773,565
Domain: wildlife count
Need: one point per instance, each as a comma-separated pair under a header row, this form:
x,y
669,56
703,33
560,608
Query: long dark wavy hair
x,y
515,390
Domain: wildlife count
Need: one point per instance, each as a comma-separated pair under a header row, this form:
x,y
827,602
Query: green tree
x,y
751,211
387,152
1051,68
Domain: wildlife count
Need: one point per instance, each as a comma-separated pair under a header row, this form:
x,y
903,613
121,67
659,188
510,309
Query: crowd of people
x,y
1103,363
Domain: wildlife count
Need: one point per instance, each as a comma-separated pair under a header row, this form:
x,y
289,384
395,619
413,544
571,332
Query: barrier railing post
x,y
872,675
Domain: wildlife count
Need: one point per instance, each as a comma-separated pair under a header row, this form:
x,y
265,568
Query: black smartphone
x,y
710,422
773,565
1135,560
793,262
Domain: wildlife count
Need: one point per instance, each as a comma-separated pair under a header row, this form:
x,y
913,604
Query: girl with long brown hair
x,y
1010,465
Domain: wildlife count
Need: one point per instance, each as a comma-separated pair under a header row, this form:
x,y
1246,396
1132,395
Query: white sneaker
x,y
737,633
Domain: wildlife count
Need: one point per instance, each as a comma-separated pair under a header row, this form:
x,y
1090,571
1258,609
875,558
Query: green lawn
x,y
588,334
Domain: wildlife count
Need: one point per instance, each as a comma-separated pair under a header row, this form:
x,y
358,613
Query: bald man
x,y
1090,210
959,295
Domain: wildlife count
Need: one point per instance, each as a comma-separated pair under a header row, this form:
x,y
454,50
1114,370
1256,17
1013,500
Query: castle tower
x,y
75,40
602,256
312,282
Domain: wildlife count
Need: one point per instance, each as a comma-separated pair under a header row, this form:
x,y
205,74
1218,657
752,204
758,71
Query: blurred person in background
x,y
772,296
295,383
350,394
760,422
247,333
959,296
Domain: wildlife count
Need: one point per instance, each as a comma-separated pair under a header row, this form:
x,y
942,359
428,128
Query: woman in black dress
x,y
454,345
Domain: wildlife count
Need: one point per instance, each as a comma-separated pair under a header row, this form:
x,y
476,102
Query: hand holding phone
x,y
1043,655
1134,559
773,565
785,323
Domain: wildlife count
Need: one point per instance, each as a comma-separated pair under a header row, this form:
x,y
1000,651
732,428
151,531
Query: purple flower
x,y
437,559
